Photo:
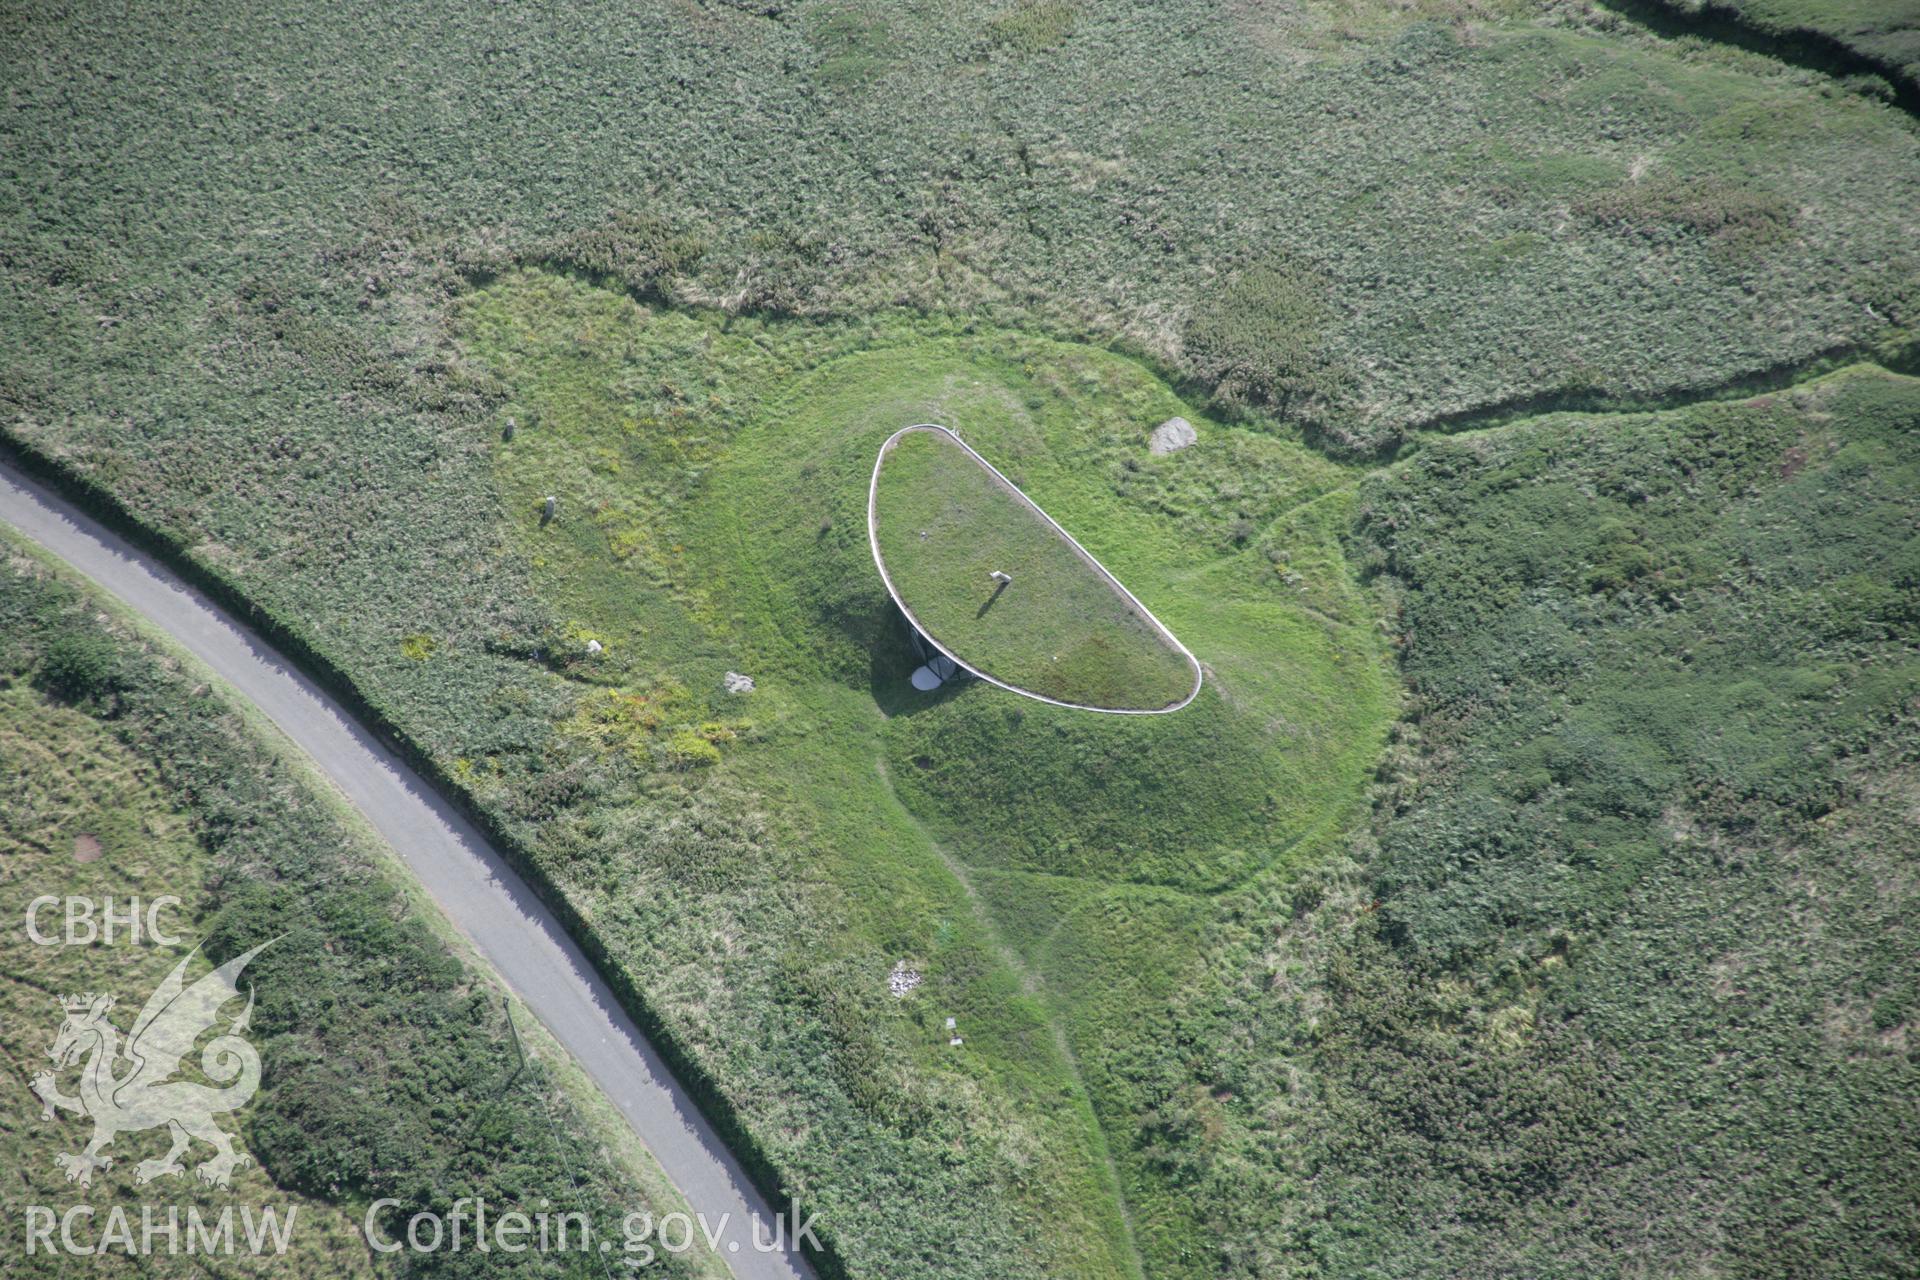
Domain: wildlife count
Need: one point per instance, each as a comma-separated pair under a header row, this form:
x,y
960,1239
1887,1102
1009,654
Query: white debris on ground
x,y
737,683
956,1041
952,1023
902,980
1172,436
594,646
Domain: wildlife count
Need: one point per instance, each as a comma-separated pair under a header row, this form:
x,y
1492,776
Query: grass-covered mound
x,y
1049,874
1373,215
943,525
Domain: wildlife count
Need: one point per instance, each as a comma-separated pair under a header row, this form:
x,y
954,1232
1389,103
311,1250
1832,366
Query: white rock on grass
x,y
902,980
1172,436
737,683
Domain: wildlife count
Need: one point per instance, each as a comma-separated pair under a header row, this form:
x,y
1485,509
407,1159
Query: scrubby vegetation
x,y
1258,343
1617,979
332,301
944,525
1378,191
389,1068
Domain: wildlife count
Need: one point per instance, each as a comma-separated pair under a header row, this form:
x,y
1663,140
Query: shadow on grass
x,y
981,612
890,671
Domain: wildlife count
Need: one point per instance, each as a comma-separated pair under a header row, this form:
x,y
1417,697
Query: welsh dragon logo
x,y
124,1090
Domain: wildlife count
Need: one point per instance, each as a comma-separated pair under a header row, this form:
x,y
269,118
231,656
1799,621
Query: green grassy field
x,y
388,1066
944,524
1278,985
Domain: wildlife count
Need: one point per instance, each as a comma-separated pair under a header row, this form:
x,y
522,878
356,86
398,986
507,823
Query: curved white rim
x,y
873,542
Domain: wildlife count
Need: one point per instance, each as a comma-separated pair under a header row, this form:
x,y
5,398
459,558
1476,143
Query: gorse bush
x,y
1030,26
1737,217
80,667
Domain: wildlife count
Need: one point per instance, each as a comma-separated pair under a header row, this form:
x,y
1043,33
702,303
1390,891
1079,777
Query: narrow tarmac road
x,y
469,879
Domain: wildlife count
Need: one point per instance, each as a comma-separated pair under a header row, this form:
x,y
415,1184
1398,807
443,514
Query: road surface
x,y
469,879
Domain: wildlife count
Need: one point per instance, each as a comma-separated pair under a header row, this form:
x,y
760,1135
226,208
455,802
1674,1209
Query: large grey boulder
x,y
1172,436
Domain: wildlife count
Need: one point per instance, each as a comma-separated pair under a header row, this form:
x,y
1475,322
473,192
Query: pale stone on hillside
x,y
737,683
1172,436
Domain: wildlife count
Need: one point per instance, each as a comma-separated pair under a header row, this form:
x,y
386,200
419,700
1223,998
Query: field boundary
x,y
1792,44
873,542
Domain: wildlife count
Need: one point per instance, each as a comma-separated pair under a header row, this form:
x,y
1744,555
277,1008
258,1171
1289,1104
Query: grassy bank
x,y
1874,48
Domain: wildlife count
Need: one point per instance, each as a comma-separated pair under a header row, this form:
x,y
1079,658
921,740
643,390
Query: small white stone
x,y
902,980
594,646
734,682
1172,436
